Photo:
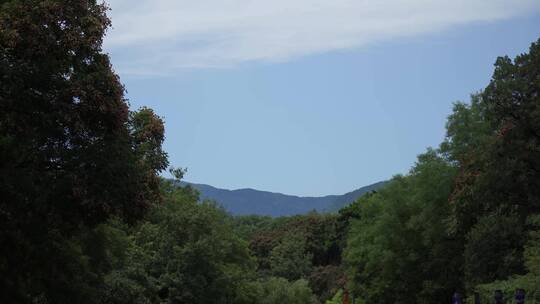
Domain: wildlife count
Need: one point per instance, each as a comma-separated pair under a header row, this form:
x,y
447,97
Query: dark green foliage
x,y
458,220
494,249
278,290
500,177
290,259
183,253
467,131
307,247
400,241
249,225
71,154
530,281
325,281
85,217
147,133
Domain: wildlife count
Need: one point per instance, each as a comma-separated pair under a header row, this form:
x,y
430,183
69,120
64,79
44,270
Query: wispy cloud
x,y
159,36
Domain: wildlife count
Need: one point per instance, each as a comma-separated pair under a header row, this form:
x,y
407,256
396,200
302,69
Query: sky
x,y
308,97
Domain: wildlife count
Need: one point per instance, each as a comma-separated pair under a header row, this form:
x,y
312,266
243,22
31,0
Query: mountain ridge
x,y
249,201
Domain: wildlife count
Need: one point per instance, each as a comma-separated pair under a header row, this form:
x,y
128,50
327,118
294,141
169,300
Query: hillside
x,y
251,201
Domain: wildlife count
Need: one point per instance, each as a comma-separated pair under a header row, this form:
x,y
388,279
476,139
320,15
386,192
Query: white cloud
x,y
159,36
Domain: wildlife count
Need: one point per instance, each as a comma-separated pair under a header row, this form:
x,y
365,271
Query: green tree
x,y
325,281
70,156
467,131
290,259
530,281
399,250
248,226
185,252
500,169
279,290
494,249
303,246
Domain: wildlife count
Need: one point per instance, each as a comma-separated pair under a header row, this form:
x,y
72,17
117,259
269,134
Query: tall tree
x,y
399,250
185,252
69,155
499,178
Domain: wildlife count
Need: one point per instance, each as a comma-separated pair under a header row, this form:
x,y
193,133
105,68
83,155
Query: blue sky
x,y
286,104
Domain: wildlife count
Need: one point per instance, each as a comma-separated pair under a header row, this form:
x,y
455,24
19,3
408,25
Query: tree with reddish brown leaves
x,y
499,180
71,154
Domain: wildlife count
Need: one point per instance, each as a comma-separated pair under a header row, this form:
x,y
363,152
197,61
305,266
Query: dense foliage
x,y
304,247
400,241
464,218
86,218
71,153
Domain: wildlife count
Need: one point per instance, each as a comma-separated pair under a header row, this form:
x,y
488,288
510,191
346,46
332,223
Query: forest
x,y
87,216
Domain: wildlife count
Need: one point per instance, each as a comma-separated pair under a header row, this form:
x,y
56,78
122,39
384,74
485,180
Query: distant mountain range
x,y
250,201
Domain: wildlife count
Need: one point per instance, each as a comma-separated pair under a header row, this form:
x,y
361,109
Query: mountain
x,y
349,197
251,201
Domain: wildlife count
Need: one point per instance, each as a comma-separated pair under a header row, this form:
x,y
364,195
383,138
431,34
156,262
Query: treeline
x,y
85,217
463,223
466,218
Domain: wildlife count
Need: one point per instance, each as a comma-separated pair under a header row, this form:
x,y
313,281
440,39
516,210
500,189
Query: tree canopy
x,y
85,216
71,153
461,219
